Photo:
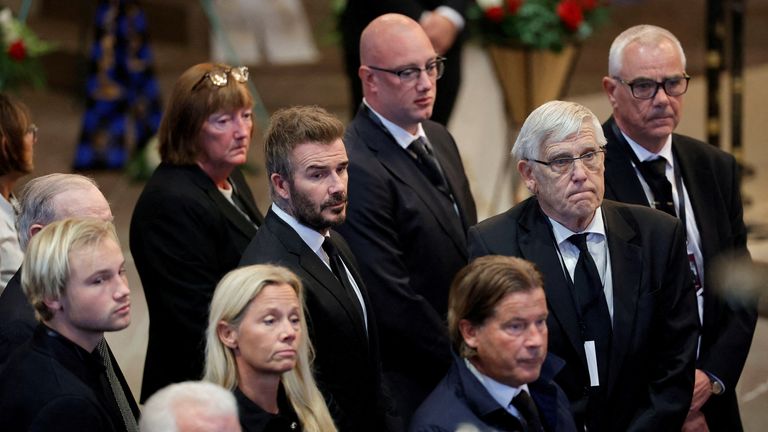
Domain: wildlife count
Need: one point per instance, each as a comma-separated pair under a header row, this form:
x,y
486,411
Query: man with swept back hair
x,y
502,376
648,164
307,169
74,276
621,302
190,406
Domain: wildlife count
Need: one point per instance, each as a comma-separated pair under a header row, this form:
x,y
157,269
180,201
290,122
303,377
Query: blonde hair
x,y
45,270
230,300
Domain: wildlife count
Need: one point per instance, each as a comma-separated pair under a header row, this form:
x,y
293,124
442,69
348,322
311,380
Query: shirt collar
x,y
643,154
597,226
312,238
501,393
401,136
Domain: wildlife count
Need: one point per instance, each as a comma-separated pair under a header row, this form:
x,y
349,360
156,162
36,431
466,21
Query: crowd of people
x,y
368,296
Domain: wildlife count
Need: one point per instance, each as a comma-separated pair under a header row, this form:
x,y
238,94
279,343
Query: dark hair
x,y
193,99
290,127
480,286
14,122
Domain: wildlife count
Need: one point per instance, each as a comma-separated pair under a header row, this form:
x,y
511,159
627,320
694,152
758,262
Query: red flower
x,y
513,6
495,14
17,51
570,14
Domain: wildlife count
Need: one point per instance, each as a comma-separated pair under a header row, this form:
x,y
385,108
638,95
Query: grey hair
x,y
644,34
36,201
201,397
554,121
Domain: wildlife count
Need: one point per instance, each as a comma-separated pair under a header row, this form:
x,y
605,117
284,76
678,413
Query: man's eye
x,y
560,163
644,85
408,73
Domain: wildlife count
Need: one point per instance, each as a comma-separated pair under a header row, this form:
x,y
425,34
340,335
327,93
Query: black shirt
x,y
255,419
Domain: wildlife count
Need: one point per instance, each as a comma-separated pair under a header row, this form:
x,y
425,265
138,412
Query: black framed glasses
x,y
592,161
219,77
434,69
644,88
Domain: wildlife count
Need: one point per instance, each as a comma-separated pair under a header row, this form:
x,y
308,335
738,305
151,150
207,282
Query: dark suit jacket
x,y
52,384
346,365
184,237
410,243
17,318
655,324
711,178
359,13
461,399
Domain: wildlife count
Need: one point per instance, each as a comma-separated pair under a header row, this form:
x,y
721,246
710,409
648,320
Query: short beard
x,y
304,210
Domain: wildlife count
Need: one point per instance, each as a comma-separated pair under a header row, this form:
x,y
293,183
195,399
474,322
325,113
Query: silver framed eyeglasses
x,y
592,161
644,88
434,69
219,77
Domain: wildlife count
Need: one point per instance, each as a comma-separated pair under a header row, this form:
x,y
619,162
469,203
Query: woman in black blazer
x,y
194,217
258,347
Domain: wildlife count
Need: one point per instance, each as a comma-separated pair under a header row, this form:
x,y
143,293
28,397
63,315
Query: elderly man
x,y
307,168
409,207
648,164
622,305
190,406
497,318
74,276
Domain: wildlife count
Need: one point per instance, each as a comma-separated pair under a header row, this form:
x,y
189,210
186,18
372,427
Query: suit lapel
x,y
314,267
621,182
626,269
227,208
537,245
397,161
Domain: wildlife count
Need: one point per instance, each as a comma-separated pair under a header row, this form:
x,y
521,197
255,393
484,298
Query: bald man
x,y
409,205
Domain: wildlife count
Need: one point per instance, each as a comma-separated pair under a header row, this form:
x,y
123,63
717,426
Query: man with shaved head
x,y
409,205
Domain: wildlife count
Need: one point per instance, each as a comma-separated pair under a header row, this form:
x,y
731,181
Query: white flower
x,y
8,26
487,4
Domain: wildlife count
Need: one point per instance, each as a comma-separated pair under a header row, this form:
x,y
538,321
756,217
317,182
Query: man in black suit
x,y
307,167
442,20
409,207
74,276
646,84
621,301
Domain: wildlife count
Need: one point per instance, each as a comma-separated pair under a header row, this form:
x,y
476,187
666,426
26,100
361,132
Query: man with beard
x,y
307,168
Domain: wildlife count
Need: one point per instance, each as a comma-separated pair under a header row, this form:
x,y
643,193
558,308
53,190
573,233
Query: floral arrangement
x,y
21,48
536,24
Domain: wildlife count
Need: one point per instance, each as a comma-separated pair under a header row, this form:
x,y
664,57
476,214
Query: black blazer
x,y
184,237
17,318
711,178
410,243
655,324
347,367
51,384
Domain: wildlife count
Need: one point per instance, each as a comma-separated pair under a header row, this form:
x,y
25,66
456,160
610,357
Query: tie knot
x,y
657,166
418,146
329,247
580,241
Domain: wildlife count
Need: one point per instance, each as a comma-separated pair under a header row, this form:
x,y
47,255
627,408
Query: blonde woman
x,y
257,347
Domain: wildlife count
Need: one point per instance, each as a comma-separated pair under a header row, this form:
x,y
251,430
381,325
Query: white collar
x,y
502,393
312,238
401,136
597,226
644,155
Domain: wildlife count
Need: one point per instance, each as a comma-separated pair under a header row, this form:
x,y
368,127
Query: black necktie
x,y
527,409
337,266
654,173
117,390
592,304
429,165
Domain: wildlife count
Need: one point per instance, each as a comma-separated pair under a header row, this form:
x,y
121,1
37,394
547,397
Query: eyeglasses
x,y
219,77
643,88
592,161
434,69
32,128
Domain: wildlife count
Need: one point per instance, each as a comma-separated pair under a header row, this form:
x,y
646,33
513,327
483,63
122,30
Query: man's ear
x,y
468,333
281,186
609,87
367,77
34,229
227,334
526,172
53,304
